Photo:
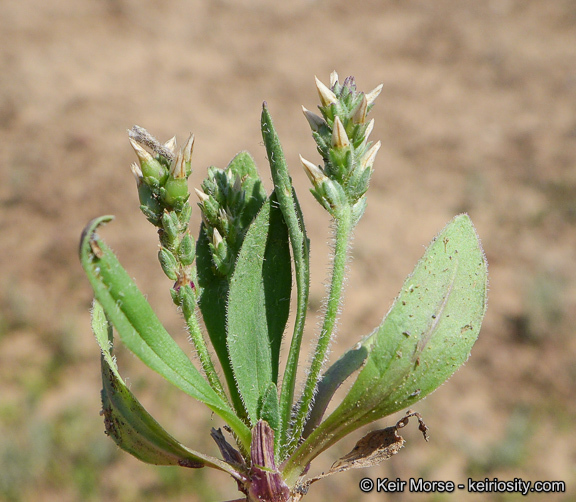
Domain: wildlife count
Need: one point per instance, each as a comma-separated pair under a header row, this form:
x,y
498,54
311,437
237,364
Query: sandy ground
x,y
478,114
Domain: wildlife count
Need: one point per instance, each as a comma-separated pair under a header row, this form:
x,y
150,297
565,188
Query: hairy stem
x,y
204,355
343,231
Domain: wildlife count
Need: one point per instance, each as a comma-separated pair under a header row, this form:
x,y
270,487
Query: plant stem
x,y
342,233
204,355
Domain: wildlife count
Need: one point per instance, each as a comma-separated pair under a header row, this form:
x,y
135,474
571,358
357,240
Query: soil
x,y
477,115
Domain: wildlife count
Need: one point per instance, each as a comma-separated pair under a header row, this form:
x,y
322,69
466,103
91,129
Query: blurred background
x,y
477,114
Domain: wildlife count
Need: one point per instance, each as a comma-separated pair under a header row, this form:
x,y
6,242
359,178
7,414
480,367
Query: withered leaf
x,y
231,455
372,449
377,446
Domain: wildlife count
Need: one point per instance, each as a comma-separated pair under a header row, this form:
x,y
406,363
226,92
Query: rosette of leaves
x,y
237,278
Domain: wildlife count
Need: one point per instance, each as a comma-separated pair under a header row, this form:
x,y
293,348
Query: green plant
x,y
238,276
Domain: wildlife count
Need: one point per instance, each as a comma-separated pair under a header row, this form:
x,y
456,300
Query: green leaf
x,y
331,380
269,408
425,337
127,422
213,300
301,254
214,287
140,329
259,304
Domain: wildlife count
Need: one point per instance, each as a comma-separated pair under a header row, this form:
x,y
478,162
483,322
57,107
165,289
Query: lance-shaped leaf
x,y
425,337
301,256
140,329
330,382
258,305
129,424
269,407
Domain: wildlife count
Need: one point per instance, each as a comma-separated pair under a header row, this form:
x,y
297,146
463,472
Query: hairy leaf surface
x,y
129,424
214,287
425,337
140,329
258,305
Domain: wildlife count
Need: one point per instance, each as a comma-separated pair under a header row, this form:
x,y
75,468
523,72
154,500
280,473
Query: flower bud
x,y
202,196
184,216
326,95
333,78
216,238
368,159
222,254
373,94
314,173
168,263
369,128
171,144
339,136
153,172
334,195
175,192
170,226
150,205
178,167
187,154
361,111
187,301
358,210
137,172
152,216
187,250
316,122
